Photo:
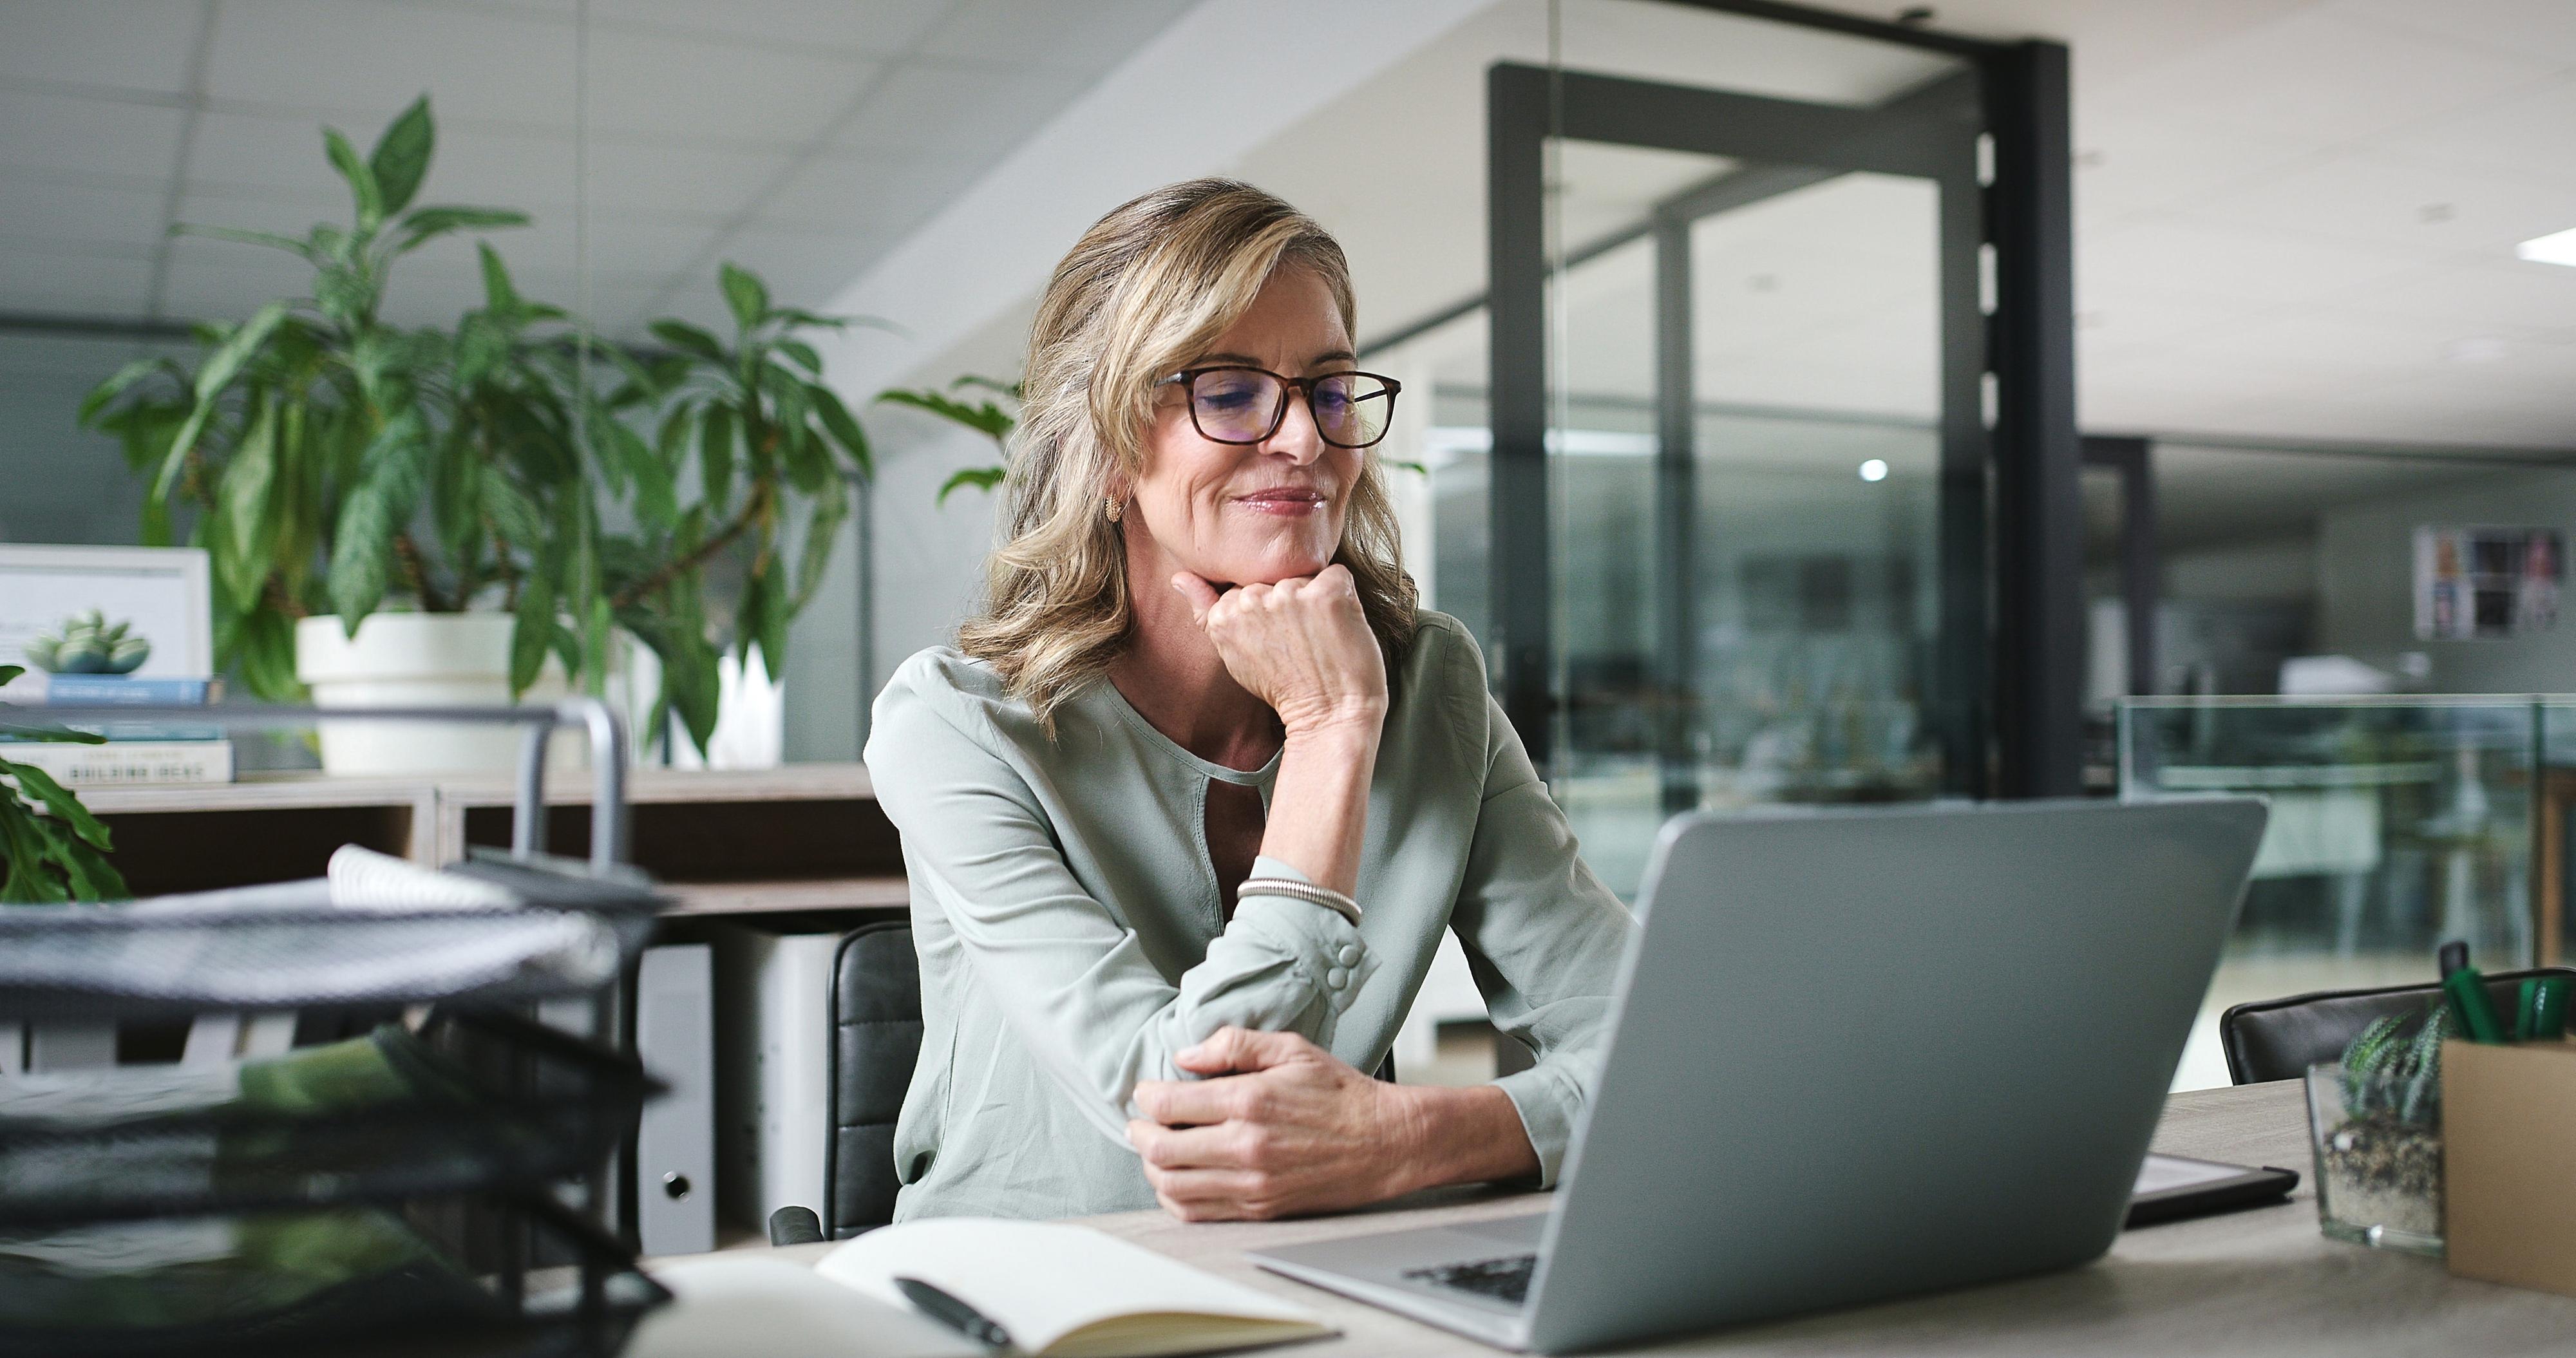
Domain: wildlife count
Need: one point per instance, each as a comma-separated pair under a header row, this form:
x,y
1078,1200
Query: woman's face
x,y
1257,513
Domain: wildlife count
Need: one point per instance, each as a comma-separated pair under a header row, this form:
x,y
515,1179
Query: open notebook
x,y
1069,1291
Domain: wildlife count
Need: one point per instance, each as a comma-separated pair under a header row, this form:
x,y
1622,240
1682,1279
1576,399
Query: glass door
x,y
1737,468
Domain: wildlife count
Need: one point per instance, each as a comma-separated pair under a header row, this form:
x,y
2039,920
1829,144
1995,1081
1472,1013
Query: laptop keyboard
x,y
1505,1279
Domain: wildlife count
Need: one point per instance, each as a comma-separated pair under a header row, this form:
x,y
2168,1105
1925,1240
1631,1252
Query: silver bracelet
x,y
1324,896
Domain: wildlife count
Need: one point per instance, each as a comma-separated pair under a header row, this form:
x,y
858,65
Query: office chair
x,y
876,1039
2280,1039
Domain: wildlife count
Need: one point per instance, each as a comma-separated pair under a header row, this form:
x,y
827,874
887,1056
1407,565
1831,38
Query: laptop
x,y
1856,1055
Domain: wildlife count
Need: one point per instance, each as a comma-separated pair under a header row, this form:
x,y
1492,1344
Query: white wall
x,y
2365,575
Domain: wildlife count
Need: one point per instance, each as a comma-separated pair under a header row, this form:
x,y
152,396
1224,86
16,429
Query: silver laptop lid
x,y
1861,1054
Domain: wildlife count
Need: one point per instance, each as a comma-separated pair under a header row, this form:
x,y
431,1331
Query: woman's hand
x,y
1287,1128
1302,645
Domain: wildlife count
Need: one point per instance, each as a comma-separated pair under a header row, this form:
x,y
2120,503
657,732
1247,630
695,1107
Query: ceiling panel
x,y
339,55
2509,295
2368,198
2526,29
705,92
2313,76
948,108
87,136
2525,136
135,45
44,208
2128,163
81,284
859,27
1081,38
2240,264
840,190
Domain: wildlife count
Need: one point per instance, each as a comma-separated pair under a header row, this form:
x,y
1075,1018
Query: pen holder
x,y
2510,1163
2377,1138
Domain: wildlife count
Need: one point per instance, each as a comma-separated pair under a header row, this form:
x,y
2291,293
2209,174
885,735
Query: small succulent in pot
x,y
87,643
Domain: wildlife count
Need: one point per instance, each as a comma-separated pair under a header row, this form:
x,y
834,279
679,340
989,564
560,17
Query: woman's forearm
x,y
1465,1136
1319,806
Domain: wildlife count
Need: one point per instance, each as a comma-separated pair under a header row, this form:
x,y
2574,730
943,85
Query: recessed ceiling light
x,y
2558,247
1874,470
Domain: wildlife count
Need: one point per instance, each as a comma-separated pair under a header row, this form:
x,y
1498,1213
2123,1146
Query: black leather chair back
x,y
876,1038
2280,1039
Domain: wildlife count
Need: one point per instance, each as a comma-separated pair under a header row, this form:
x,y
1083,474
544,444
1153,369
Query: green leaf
x,y
498,291
533,632
244,507
426,224
715,448
362,181
822,530
657,501
115,386
377,509
803,354
984,417
29,852
744,293
995,384
401,157
61,804
10,672
844,429
213,376
981,478
268,238
514,516
595,645
682,335
264,652
482,346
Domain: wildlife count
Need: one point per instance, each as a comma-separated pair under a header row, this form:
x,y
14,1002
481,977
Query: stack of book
x,y
144,750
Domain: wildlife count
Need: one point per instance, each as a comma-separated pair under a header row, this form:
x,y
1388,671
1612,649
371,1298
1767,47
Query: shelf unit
x,y
796,839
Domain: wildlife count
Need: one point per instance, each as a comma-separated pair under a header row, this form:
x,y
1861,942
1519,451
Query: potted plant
x,y
416,515
2375,1123
61,854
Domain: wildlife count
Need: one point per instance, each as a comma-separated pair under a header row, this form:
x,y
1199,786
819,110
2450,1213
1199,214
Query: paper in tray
x,y
318,1282
289,946
473,1100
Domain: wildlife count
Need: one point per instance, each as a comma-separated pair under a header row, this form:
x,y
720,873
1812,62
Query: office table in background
x,y
2258,1281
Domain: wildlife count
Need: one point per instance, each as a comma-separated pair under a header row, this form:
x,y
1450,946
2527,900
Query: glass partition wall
x,y
2397,824
1707,468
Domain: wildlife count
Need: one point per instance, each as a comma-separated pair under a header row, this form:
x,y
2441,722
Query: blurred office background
x,y
2302,331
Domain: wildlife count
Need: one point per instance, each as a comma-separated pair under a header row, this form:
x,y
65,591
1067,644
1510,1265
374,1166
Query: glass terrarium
x,y
2377,1135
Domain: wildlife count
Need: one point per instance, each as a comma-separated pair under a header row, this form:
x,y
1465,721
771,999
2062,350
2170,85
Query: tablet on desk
x,y
2171,1187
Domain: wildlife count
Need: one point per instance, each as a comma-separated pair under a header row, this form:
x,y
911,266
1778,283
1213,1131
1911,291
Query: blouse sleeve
x,y
1065,968
1544,939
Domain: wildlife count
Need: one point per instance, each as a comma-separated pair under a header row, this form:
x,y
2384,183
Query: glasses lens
x,y
1352,409
1235,404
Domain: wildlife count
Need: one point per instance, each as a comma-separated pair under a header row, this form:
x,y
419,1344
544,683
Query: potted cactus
x,y
88,643
2376,1120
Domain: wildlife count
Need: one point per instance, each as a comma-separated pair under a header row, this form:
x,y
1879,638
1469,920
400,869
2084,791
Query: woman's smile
x,y
1285,501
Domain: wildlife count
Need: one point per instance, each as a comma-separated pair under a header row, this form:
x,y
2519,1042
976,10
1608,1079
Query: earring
x,y
1115,508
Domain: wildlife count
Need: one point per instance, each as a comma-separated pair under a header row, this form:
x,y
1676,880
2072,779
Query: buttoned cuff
x,y
1328,947
1548,1105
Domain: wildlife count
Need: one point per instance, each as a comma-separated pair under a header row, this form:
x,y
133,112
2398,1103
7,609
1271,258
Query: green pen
x,y
2526,1010
2467,993
2549,1010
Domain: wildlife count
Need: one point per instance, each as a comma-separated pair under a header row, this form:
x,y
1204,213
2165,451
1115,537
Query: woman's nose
x,y
1296,437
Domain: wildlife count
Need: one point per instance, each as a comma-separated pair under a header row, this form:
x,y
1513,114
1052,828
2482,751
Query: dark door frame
x,y
2009,679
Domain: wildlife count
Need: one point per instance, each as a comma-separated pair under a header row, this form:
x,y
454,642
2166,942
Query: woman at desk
x,y
1189,805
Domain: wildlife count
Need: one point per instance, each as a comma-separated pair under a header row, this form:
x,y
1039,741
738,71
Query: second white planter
x,y
414,660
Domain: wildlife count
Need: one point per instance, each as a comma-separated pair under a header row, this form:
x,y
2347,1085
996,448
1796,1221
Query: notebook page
x,y
1044,1280
744,1304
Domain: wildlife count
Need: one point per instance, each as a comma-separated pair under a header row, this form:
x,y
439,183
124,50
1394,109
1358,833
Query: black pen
x,y
954,1314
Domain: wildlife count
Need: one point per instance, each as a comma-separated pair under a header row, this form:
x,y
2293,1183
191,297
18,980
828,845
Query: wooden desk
x,y
2260,1281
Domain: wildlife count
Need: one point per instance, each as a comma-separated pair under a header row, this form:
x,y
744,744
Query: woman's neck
x,y
1173,677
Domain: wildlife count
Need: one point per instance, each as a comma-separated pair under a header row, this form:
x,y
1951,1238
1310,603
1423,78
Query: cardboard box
x,y
2509,1163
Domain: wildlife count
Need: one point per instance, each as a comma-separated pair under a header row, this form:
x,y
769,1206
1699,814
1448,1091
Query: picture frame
x,y
165,592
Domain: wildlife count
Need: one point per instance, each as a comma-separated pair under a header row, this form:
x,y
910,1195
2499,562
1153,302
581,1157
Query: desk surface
x,y
2258,1281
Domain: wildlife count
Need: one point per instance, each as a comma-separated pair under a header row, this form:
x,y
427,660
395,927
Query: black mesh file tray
x,y
287,947
473,1100
428,1278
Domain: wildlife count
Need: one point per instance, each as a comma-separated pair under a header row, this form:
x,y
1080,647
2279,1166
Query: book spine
x,y
97,690
122,764
129,730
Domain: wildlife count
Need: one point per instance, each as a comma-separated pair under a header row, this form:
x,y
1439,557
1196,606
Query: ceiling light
x,y
1874,470
2558,247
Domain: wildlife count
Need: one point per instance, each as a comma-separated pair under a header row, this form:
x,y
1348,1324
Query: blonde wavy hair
x,y
1144,292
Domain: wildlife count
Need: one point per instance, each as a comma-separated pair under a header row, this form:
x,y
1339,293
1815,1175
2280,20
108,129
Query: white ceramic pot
x,y
416,660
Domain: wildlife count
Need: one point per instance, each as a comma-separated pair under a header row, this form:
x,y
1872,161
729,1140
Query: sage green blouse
x,y
1072,939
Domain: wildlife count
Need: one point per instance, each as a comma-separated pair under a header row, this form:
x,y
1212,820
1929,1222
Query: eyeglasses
x,y
1246,405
